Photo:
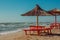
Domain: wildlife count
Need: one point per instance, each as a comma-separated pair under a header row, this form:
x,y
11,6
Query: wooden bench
x,y
39,29
57,25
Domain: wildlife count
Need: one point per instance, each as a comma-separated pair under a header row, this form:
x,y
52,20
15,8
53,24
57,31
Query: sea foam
x,y
8,32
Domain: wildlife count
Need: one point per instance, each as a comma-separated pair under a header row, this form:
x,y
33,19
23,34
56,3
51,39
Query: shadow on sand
x,y
54,34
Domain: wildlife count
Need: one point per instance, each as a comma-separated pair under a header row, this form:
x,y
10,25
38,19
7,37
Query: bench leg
x,y
44,31
25,32
50,32
38,32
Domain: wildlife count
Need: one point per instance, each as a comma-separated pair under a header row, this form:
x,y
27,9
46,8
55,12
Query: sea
x,y
6,28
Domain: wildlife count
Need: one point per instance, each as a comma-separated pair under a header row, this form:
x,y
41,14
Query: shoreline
x,y
8,32
13,31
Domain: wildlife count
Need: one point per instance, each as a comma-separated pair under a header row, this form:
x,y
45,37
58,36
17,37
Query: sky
x,y
11,10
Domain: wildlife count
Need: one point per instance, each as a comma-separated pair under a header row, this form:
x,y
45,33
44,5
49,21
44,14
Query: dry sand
x,y
22,36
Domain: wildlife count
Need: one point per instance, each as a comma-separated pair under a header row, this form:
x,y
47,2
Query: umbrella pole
x,y
55,20
37,21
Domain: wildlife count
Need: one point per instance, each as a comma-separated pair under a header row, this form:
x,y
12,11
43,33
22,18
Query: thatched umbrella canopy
x,y
37,11
55,12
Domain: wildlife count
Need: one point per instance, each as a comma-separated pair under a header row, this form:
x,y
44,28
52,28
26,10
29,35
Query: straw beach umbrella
x,y
37,11
55,12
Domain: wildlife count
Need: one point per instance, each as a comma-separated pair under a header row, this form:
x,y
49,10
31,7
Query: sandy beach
x,y
21,36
